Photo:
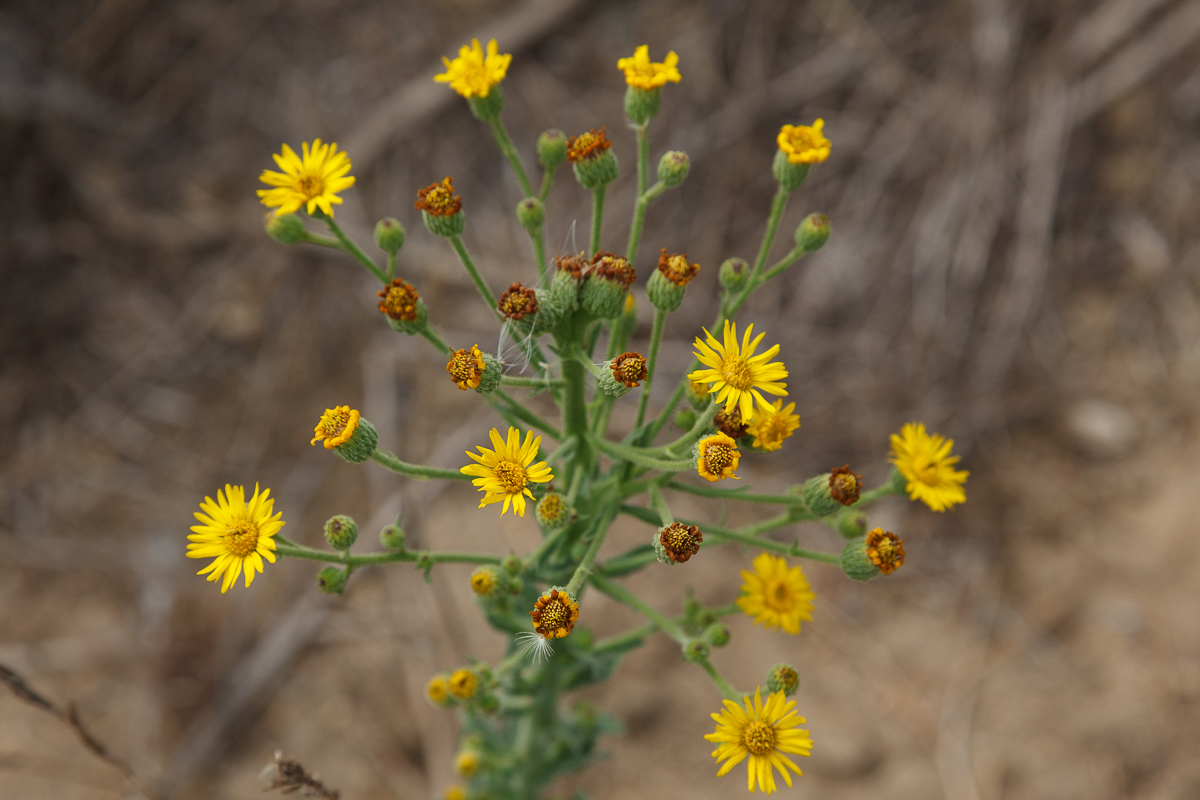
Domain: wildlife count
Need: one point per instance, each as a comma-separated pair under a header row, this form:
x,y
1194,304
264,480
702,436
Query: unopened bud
x,y
673,167
813,232
341,532
783,678
825,494
642,104
487,581
718,634
531,213
851,524
733,274
512,565
789,175
389,235
553,513
285,228
331,580
552,148
392,537
696,650
685,419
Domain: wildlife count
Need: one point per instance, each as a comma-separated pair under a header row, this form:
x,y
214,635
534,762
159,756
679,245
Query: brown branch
x,y
289,775
70,716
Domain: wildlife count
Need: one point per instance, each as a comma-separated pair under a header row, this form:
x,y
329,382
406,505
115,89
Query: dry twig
x,y
289,775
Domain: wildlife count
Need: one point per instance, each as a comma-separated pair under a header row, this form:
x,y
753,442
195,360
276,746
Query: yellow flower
x,y
925,462
467,763
804,144
764,732
773,424
466,367
238,534
312,182
336,426
717,457
437,690
463,683
641,73
776,596
454,792
472,74
506,472
736,374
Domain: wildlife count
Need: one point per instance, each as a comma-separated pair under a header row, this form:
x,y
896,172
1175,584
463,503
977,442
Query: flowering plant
x,y
516,734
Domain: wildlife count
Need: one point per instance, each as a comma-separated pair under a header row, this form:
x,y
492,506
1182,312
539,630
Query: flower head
x,y
466,763
555,612
454,792
772,424
437,690
235,534
925,462
473,74
485,580
587,146
886,550
399,300
845,485
731,424
764,732
311,182
775,595
517,302
676,268
736,375
642,73
717,457
612,267
804,144
506,472
336,426
677,542
462,684
439,199
466,367
629,369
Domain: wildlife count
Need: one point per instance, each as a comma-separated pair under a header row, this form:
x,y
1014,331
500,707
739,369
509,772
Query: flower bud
x,y
606,285
331,580
851,524
285,228
879,553
441,208
642,104
466,763
492,373
553,513
515,586
487,581
531,213
488,107
392,537
695,651
552,148
622,373
676,543
813,232
717,634
825,494
389,235
783,678
730,423
341,532
790,176
733,274
592,158
673,167
569,273
512,565
668,283
685,419
403,307
488,703
698,395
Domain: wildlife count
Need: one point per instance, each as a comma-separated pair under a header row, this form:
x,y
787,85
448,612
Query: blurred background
x,y
1012,188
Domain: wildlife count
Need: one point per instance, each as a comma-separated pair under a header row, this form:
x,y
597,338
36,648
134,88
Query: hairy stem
x,y
597,217
510,153
416,471
484,292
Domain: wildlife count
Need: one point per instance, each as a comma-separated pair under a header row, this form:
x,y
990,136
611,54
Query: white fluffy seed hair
x,y
534,646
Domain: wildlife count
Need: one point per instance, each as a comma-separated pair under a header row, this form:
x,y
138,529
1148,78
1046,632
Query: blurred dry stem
x,y
289,775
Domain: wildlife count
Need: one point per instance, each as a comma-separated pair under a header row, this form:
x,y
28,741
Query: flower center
x,y
587,146
511,476
242,539
629,369
681,541
927,471
555,615
517,302
333,423
399,300
778,596
717,458
772,430
311,186
736,372
759,738
463,367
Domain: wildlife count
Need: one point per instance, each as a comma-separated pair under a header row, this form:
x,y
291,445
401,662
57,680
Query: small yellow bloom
x,y
463,683
312,182
483,581
555,613
804,144
506,472
473,74
764,732
885,549
776,596
925,462
466,367
454,792
717,457
336,427
642,73
437,690
736,375
774,423
236,534
467,763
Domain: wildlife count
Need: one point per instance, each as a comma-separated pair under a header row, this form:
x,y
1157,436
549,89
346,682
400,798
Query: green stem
x,y
391,266
389,460
782,264
584,570
597,217
574,411
531,383
879,492
745,497
539,252
660,505
484,292
510,152
656,332
778,204
626,597
672,401
634,636
500,398
640,201
431,335
636,456
701,424
286,547
547,182
727,690
345,243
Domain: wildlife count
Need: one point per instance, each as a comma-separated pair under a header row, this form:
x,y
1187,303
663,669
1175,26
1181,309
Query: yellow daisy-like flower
x,y
925,462
437,690
506,472
775,595
717,457
764,732
466,367
336,427
312,182
466,763
736,375
463,683
473,74
235,534
773,424
642,73
454,792
804,144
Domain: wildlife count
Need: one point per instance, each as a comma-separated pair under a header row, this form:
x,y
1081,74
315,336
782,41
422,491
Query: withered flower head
x,y
613,267
886,550
399,300
629,369
517,302
680,542
731,423
676,268
577,265
845,485
587,146
439,199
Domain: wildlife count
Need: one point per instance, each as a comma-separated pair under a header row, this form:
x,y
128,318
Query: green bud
x,y
552,148
512,565
531,213
392,537
488,703
856,563
717,635
642,104
564,286
331,580
664,293
389,235
488,107
413,326
444,226
789,175
695,651
285,228
586,714
341,532
813,233
673,167
515,586
832,491
592,173
608,382
733,274
851,524
492,372
361,445
550,312
603,296
783,678
685,419
553,513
